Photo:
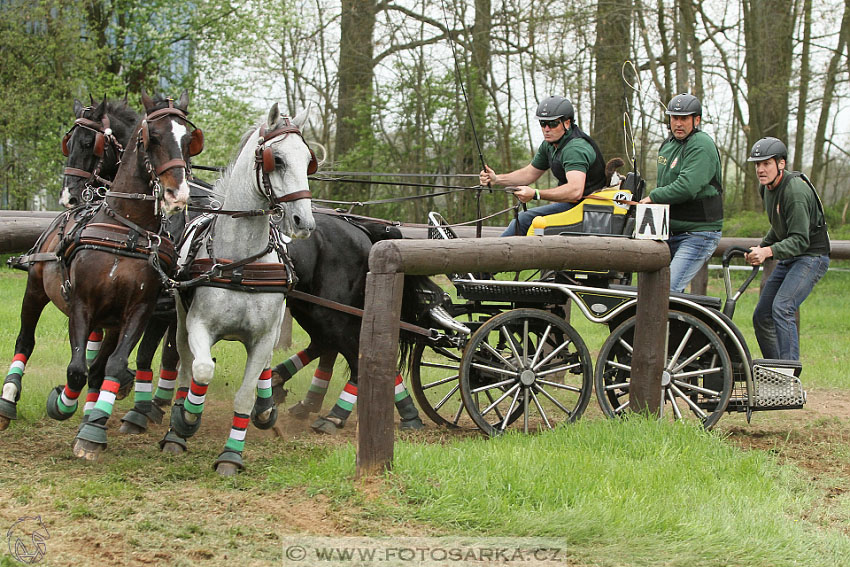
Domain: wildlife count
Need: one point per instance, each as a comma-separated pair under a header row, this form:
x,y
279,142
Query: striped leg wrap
x,y
67,402
181,394
236,441
93,345
91,400
289,367
165,386
264,385
12,384
195,398
403,401
106,399
346,401
318,388
144,386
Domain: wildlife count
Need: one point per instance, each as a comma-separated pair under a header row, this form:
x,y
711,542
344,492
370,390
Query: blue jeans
x,y
525,217
688,253
774,317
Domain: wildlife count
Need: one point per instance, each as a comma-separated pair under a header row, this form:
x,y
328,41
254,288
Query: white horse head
x,y
291,158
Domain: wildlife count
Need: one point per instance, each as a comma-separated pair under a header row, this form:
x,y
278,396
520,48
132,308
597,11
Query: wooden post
x,y
379,335
699,284
650,335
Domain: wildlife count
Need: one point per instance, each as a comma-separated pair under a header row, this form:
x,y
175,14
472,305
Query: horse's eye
x,y
278,162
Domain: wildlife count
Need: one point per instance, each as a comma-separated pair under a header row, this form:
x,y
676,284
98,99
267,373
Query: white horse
x,y
242,280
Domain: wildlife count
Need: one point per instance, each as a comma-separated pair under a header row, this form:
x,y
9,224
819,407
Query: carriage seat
x,y
703,300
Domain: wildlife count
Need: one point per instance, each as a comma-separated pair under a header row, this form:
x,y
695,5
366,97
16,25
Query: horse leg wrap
x,y
318,388
172,437
11,392
62,403
93,345
284,372
179,424
165,387
126,382
137,418
404,404
232,457
264,402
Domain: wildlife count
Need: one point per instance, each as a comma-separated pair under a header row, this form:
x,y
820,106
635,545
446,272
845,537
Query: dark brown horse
x,y
103,272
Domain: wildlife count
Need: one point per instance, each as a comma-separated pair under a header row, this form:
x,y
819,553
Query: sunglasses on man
x,y
552,124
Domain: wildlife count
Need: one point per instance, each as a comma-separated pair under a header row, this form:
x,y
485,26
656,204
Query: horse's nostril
x,y
72,201
296,219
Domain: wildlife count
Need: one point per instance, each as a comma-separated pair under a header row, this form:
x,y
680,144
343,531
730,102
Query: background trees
x,y
386,84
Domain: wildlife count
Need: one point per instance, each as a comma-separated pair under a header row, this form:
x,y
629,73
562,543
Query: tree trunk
x,y
768,29
356,68
613,42
805,77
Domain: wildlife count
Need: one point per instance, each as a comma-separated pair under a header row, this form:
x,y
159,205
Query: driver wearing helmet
x,y
689,180
574,158
797,238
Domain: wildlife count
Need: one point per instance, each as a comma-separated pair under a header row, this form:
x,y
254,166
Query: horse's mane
x,y
121,111
228,170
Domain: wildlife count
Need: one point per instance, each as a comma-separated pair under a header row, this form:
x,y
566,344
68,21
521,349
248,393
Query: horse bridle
x,y
264,163
196,145
103,136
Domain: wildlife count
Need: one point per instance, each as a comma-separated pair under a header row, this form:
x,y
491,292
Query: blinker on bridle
x,y
264,162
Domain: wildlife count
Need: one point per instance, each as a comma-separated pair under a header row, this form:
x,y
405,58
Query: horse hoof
x,y
4,422
53,409
328,425
267,423
229,463
134,423
173,448
278,391
411,424
301,411
173,444
88,450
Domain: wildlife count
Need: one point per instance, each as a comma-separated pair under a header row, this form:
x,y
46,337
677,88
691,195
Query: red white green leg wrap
x,y
182,393
93,345
144,386
67,401
165,385
345,403
12,384
195,399
236,440
106,399
318,388
91,400
264,385
289,367
403,401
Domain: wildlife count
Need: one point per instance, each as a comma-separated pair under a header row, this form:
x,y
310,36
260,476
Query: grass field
x,y
611,493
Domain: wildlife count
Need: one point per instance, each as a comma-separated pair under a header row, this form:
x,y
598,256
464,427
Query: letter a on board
x,y
647,222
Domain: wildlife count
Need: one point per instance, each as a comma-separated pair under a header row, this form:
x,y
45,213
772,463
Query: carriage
x,y
508,358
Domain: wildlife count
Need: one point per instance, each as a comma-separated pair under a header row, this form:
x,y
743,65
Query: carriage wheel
x,y
437,389
526,369
697,378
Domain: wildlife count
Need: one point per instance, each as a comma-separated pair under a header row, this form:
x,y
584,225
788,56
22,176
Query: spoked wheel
x,y
697,378
526,369
434,381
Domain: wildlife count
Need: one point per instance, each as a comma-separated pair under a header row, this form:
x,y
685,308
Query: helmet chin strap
x,y
772,184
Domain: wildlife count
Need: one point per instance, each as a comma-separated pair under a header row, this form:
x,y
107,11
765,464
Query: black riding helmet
x,y
555,107
684,105
768,147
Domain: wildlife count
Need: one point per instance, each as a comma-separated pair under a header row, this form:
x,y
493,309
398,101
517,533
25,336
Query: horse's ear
x,y
78,108
147,101
183,103
301,118
196,143
100,111
91,98
274,116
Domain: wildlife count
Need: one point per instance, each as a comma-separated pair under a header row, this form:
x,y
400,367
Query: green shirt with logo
x,y
795,217
688,169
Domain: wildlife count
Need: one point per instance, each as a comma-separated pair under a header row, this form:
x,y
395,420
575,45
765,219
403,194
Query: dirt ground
x,y
176,511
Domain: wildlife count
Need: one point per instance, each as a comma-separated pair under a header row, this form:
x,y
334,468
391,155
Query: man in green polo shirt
x,y
797,238
689,180
574,158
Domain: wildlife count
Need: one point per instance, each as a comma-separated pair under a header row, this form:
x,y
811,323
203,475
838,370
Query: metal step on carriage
x,y
510,360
